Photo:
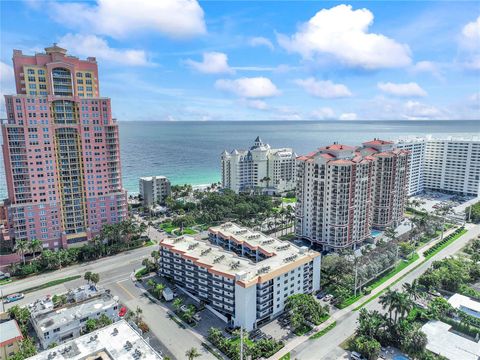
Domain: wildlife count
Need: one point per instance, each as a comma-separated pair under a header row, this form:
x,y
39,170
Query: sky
x,y
175,60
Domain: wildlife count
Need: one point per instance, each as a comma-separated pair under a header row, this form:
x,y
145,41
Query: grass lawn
x,y
289,200
440,246
324,331
5,281
187,231
285,357
287,237
402,265
149,243
140,273
51,283
168,227
388,275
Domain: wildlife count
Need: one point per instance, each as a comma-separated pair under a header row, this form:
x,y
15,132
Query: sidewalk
x,y
340,313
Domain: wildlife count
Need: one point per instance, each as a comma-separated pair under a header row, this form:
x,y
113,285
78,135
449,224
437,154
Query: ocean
x,y
189,152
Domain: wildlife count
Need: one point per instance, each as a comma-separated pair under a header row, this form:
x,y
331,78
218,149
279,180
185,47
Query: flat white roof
x,y
443,342
118,345
464,303
150,178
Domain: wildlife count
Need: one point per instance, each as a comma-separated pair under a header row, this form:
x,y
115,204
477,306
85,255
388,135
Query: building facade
x,y
344,191
10,339
244,276
154,190
335,187
57,325
448,165
391,182
260,167
61,151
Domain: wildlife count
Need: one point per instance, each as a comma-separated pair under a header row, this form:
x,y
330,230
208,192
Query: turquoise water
x,y
189,152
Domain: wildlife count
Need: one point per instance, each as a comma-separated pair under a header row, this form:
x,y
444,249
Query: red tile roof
x,y
378,142
336,147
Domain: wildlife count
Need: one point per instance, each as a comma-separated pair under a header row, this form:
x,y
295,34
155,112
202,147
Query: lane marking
x,y
126,290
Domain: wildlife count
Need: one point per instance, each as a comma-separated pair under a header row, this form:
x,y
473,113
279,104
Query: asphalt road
x,y
327,347
115,274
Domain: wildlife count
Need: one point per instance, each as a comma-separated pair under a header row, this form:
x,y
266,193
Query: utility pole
x,y
241,342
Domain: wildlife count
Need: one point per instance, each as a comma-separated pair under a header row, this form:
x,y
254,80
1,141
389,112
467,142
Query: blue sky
x,y
264,60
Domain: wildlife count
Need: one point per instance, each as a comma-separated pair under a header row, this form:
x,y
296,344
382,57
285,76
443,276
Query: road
x,y
115,274
327,347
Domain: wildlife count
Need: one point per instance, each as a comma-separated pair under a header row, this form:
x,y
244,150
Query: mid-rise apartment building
x,y
260,167
154,190
61,151
391,182
57,325
244,276
343,191
449,165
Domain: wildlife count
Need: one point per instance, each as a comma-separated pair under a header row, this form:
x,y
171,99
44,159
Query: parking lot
x,y
433,200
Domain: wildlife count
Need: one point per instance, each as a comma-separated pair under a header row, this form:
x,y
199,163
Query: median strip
x,y
324,331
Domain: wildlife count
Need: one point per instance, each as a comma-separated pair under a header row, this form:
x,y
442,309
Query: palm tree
x,y
413,290
88,276
22,247
158,290
192,353
35,246
138,313
388,301
151,283
177,303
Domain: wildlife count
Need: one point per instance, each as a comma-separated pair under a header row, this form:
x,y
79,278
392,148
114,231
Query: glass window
x,y
79,74
88,75
31,72
41,72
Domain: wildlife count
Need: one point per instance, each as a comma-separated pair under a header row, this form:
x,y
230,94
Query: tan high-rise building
x,y
344,191
391,182
335,187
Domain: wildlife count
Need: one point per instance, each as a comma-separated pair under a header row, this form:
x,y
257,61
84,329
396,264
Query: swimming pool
x,y
400,357
376,233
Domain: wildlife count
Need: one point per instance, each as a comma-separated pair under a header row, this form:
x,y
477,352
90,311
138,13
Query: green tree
x,y
177,303
95,278
88,276
91,325
158,290
22,247
35,246
369,348
192,353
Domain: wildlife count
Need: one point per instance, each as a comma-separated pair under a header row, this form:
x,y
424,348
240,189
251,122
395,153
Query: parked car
x,y
320,295
13,297
328,297
4,276
356,356
122,312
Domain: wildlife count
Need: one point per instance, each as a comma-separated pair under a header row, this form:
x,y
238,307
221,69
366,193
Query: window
x,y
79,74
88,75
31,72
41,72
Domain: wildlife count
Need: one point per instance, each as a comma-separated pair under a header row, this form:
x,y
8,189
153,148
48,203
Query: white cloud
x,y
256,104
428,67
261,41
119,18
475,98
254,87
414,110
471,34
348,116
324,113
343,33
410,89
91,45
212,63
323,89
473,63
7,85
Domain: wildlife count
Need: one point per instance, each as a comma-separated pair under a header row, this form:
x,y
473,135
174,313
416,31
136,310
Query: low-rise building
x,y
465,304
57,325
244,276
260,167
118,341
154,190
445,342
10,338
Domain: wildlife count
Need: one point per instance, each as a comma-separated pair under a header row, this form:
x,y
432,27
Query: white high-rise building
x,y
154,189
451,165
260,167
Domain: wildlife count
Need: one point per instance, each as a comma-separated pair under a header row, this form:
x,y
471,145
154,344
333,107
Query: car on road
x,y
13,297
122,312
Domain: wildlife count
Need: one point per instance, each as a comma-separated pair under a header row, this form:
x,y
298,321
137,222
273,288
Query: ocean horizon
x,y
189,151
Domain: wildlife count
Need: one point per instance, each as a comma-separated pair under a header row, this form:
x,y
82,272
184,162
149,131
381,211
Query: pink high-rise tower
x,y
61,151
